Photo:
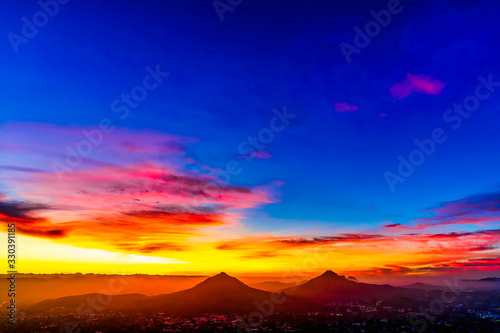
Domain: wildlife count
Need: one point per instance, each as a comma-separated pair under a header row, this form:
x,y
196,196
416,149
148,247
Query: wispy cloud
x,y
341,238
481,209
345,107
392,225
262,154
19,169
448,267
147,193
24,215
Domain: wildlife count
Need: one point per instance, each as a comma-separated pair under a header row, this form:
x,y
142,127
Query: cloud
x,y
392,225
162,210
345,107
482,248
237,244
134,186
149,247
79,148
483,203
449,267
420,83
20,209
262,154
179,218
22,214
456,245
479,264
322,240
145,204
450,235
481,209
19,169
259,255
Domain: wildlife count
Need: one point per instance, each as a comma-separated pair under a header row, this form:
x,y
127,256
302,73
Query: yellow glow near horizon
x,y
36,255
46,256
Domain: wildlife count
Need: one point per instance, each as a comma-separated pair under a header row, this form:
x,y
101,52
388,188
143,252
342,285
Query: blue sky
x,y
227,76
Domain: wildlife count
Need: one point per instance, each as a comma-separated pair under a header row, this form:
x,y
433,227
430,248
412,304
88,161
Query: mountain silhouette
x,y
274,285
330,286
424,286
352,278
490,278
82,302
218,294
224,294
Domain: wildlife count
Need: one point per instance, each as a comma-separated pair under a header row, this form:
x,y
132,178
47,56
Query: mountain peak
x,y
490,278
329,273
222,276
221,281
352,278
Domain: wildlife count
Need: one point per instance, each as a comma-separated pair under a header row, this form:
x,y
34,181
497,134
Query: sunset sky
x,y
152,137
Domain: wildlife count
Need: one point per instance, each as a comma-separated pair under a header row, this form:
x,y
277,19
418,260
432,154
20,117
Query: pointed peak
x,y
352,278
222,276
221,281
330,273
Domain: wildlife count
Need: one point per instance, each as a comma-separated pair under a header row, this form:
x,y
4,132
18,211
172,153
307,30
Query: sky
x,y
188,137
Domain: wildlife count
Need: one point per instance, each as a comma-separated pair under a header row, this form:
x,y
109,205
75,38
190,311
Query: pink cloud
x,y
345,107
47,147
261,154
420,83
257,154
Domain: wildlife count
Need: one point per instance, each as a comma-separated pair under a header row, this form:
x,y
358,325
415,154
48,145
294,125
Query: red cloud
x,y
420,83
28,225
450,267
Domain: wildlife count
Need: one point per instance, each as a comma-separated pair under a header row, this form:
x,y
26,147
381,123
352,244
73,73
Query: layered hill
x,y
89,303
331,287
218,294
223,294
274,285
38,287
